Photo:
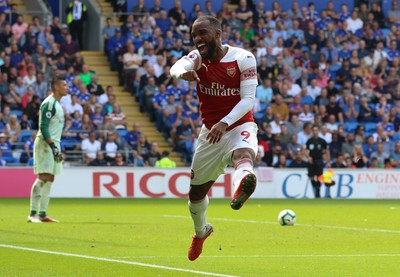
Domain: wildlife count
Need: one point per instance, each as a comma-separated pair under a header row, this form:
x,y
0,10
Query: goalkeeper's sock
x,y
198,213
45,199
36,195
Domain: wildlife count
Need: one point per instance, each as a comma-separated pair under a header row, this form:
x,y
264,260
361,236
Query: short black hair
x,y
214,22
56,79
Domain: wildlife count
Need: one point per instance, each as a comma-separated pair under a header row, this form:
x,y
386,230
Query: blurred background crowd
x,y
333,67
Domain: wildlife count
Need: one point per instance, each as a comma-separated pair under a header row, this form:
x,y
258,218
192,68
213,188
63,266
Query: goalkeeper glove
x,y
56,153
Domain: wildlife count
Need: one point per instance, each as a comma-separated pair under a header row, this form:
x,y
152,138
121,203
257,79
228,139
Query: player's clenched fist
x,y
190,75
56,153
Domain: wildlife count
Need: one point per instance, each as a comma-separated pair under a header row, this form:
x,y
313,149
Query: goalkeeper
x,y
47,156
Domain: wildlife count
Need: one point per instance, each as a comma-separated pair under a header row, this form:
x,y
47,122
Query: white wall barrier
x,y
112,182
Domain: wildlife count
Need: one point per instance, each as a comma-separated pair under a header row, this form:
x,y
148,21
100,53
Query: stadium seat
x,y
350,127
385,31
25,135
370,127
122,132
18,113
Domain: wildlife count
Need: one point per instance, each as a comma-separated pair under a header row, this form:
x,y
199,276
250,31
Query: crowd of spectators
x,y
335,67
338,70
95,131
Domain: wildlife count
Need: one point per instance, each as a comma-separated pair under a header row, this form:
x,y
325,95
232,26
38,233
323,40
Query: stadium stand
x,y
305,58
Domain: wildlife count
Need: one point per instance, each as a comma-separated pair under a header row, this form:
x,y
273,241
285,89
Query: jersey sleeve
x,y
248,69
190,62
47,111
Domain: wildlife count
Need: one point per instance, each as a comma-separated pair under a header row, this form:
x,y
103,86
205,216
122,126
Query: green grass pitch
x,y
150,237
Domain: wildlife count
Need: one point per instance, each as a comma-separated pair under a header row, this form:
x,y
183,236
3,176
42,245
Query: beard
x,y
211,48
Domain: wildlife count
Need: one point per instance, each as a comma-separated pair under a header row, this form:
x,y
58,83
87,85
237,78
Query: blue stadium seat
x,y
122,132
18,113
370,127
30,162
385,31
25,135
350,127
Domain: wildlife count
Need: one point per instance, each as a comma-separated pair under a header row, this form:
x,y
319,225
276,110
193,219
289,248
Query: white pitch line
x,y
269,256
305,225
115,261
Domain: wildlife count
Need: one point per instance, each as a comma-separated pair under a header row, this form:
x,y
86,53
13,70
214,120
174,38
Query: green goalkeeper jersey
x,y
51,119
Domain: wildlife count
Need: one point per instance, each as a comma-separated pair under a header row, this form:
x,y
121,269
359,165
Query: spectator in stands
x,y
305,134
76,16
27,154
110,147
74,106
89,106
348,145
140,149
13,129
306,115
11,98
108,32
99,160
90,147
94,87
280,107
131,62
132,136
69,48
27,97
380,154
160,100
184,137
108,106
5,147
153,155
86,74
119,160
117,117
298,160
96,117
339,162
114,44
25,123
165,161
32,110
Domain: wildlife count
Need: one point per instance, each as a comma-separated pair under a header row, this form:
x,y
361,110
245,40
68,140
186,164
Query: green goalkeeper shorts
x,y
43,160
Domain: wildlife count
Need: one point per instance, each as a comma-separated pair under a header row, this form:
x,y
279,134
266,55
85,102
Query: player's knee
x,y
243,153
197,193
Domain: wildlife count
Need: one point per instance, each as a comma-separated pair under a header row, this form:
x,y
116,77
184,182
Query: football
x,y
287,218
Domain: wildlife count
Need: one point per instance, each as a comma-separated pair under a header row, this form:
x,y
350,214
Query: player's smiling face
x,y
205,39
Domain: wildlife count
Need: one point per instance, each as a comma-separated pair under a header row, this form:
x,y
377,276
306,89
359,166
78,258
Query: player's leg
x,y
45,199
244,179
39,158
240,152
35,200
198,204
206,167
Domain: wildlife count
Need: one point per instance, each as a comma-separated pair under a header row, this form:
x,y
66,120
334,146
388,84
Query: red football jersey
x,y
220,81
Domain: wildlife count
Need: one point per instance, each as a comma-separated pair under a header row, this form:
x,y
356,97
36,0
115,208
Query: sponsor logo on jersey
x,y
48,115
231,71
218,89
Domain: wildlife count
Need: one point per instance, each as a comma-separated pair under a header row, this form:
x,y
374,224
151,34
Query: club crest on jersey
x,y
231,71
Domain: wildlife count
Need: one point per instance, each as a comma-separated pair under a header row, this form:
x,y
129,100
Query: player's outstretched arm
x,y
185,68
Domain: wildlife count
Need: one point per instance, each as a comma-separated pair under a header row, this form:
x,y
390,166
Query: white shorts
x,y
43,160
210,160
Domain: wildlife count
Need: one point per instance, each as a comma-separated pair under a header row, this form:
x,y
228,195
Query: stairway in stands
x,y
97,62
